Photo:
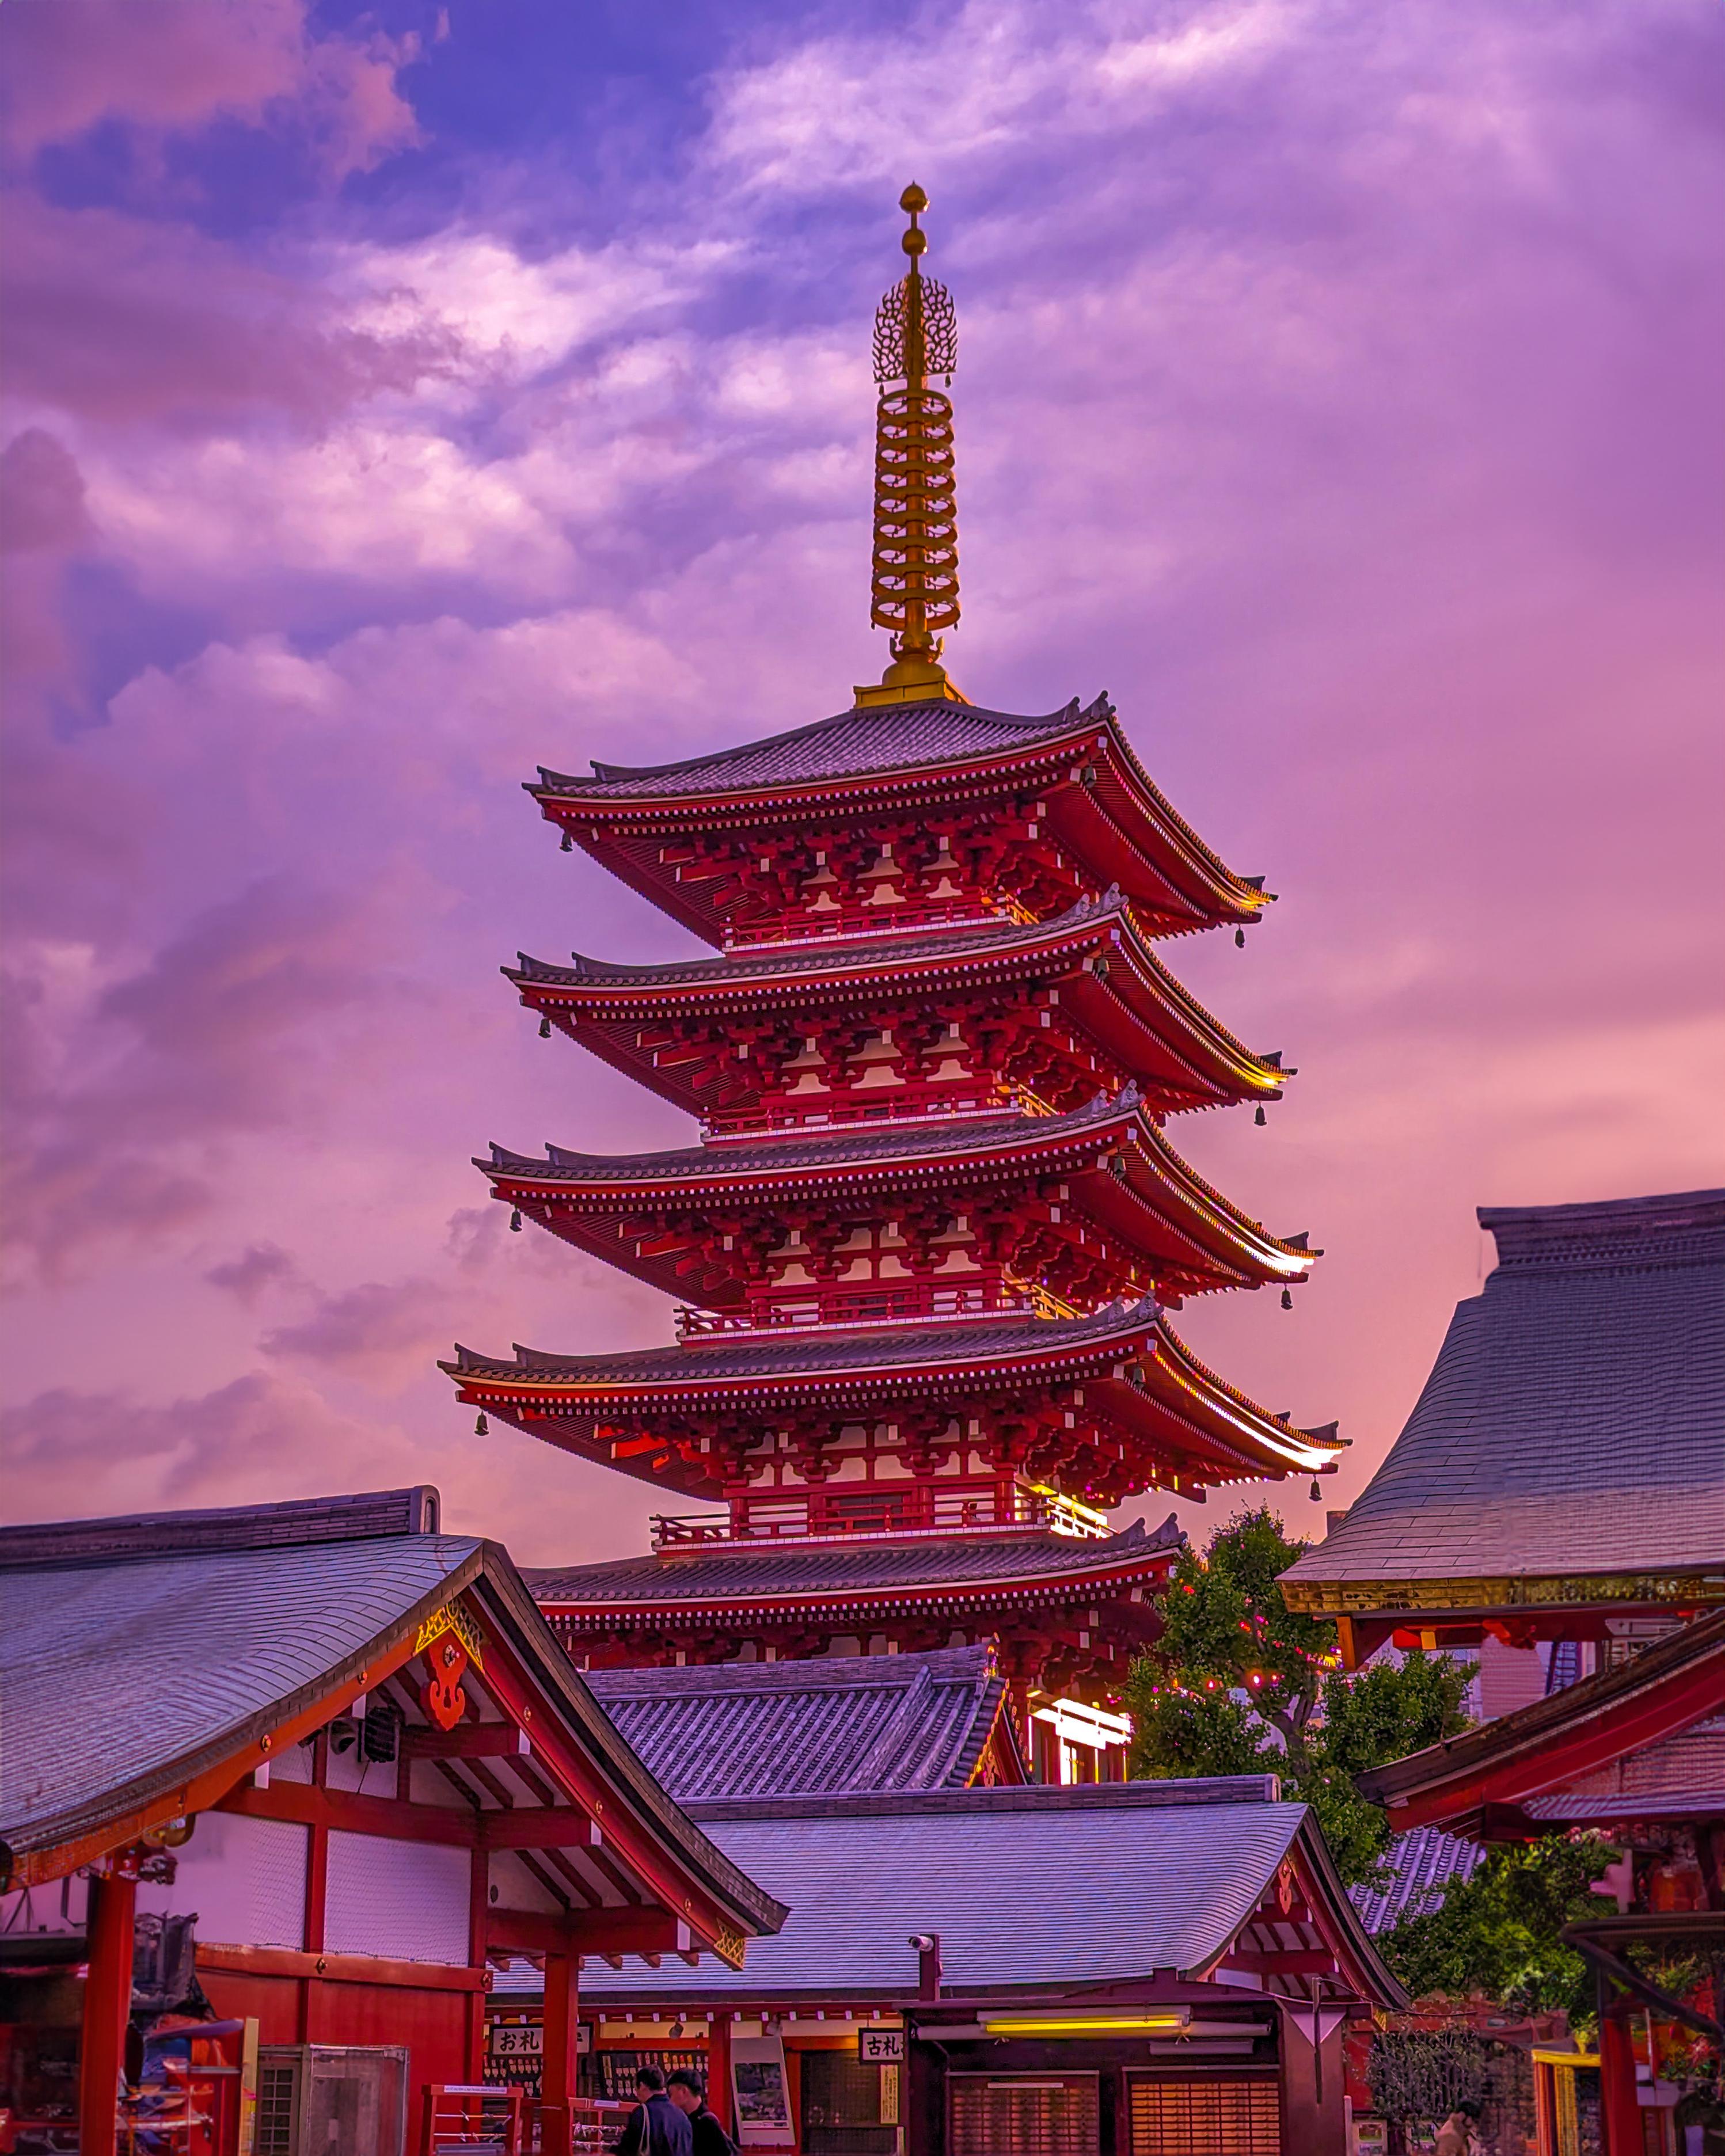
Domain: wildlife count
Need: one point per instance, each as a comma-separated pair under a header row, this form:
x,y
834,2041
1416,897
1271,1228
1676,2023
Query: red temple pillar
x,y
1620,2114
559,2059
718,2072
107,2008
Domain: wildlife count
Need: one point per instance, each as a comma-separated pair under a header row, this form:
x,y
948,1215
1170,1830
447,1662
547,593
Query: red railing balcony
x,y
907,1302
889,1515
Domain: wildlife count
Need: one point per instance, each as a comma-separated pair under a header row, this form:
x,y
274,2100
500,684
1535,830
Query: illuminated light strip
x,y
1163,2024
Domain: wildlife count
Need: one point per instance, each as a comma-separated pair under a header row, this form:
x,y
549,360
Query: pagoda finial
x,y
915,590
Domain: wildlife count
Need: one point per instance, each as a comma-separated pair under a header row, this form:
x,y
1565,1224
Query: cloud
x,y
124,1092
73,1453
166,66
259,1268
123,319
384,1334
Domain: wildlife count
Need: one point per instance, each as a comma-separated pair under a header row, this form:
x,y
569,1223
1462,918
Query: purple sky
x,y
397,400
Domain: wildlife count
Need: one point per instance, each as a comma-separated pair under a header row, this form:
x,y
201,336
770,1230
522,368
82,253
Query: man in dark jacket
x,y
683,2086
657,2126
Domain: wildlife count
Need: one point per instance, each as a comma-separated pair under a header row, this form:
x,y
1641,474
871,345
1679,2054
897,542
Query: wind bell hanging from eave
x,y
915,590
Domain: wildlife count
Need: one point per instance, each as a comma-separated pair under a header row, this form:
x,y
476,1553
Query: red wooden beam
x,y
306,1806
527,1828
107,2003
340,1968
595,1932
468,1740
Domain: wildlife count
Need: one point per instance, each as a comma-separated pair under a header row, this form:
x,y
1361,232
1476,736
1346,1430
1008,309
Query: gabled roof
x,y
825,1726
1111,982
149,1664
1129,1182
1102,809
1029,1889
1572,1742
733,1576
1569,1444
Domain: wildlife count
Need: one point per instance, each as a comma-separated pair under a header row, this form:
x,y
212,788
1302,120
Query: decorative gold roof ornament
x,y
915,590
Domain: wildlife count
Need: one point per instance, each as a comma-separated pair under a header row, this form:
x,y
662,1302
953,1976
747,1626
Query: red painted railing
x,y
850,1515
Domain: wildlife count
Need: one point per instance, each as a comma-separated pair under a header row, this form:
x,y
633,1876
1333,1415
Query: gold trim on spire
x,y
915,590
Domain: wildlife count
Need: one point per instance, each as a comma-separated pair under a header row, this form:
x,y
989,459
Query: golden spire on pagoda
x,y
915,590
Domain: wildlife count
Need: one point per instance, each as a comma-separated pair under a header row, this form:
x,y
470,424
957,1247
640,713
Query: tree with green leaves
x,y
1496,1933
1240,1684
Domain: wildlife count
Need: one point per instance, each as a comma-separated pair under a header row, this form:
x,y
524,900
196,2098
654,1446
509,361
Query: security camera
x,y
923,1941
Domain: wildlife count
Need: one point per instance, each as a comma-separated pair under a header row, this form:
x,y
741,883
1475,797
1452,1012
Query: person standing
x,y
657,2126
705,2129
1456,2136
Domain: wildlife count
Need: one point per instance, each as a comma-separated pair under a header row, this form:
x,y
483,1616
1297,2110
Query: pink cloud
x,y
259,1268
80,1454
122,320
175,64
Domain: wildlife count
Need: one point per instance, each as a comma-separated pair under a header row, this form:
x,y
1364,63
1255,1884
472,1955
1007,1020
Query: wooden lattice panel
x,y
1022,2115
1190,2118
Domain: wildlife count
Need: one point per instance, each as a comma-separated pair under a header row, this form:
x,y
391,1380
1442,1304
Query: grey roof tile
x,y
823,1726
1421,1866
848,745
730,1574
1022,1892
166,1656
1574,1420
790,1354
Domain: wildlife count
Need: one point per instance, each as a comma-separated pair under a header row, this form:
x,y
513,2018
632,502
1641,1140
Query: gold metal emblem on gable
x,y
452,1618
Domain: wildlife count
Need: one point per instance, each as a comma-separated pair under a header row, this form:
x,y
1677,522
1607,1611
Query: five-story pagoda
x,y
927,1243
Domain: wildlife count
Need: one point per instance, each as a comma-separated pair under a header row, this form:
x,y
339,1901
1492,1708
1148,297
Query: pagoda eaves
x,y
933,1226
1092,1206
965,1017
1113,1404
1036,812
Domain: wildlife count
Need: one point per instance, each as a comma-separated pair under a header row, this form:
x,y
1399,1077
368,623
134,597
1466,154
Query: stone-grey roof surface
x,y
835,958
1026,1887
848,745
731,1574
859,1145
818,1727
110,1670
1574,1421
789,1354
1422,1865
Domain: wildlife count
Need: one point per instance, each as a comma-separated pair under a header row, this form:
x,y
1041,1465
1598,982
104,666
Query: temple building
x,y
928,1246
279,1783
1561,1481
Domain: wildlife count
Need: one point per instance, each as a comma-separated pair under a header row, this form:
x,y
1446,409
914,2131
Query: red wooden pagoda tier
x,y
1065,1616
925,1244
923,812
912,1023
1096,1203
888,1421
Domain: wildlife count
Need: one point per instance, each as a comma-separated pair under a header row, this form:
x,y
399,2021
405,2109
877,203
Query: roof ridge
x,y
364,1516
1031,1797
614,774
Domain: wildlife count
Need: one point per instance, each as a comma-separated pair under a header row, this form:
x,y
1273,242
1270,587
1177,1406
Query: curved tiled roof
x,y
1421,1866
848,745
818,1727
1029,1889
726,1573
1574,1421
858,1145
784,1356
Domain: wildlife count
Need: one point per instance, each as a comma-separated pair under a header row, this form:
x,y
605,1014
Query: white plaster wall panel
x,y
406,1901
243,1879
